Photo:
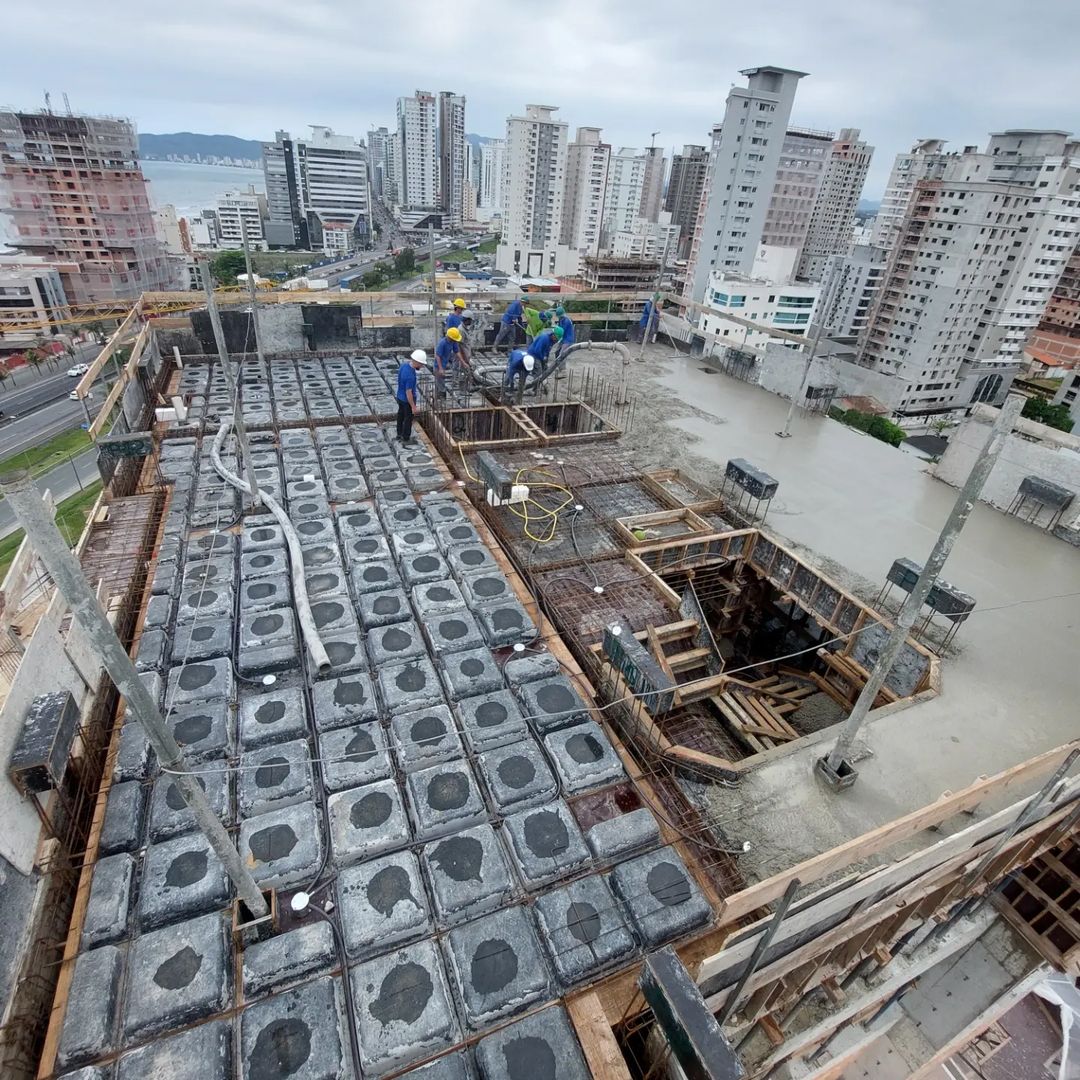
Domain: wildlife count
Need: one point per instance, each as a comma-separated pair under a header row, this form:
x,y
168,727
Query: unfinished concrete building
x,y
551,803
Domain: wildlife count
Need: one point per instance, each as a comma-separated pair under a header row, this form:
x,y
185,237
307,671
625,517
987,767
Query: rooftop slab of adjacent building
x,y
1011,683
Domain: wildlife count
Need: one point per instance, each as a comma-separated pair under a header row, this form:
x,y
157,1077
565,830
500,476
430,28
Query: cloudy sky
x,y
954,69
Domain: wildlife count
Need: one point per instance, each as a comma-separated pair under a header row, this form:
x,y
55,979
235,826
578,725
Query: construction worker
x,y
540,347
567,324
408,394
519,368
465,326
454,318
648,320
512,317
534,324
446,355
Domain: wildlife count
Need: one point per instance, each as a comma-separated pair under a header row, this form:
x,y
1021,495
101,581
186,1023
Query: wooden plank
x,y
605,1059
658,651
121,384
738,723
773,1031
82,388
679,662
902,828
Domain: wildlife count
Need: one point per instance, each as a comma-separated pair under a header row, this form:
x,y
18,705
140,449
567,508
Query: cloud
x,y
896,71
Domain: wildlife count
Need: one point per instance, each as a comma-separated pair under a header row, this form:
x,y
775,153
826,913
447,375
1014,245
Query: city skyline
x,y
859,72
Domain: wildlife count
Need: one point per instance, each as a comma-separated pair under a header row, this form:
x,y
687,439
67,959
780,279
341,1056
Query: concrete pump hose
x,y
610,346
296,555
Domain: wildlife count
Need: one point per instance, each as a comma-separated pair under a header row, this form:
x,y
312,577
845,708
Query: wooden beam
x,y
602,1053
120,385
83,386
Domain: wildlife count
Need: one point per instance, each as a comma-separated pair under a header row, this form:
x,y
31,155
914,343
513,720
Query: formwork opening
x,y
568,418
489,424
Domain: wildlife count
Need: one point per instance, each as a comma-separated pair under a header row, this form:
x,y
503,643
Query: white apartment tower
x,y
837,200
978,255
378,145
452,158
587,170
743,174
418,158
533,187
625,191
923,161
849,289
240,212
798,178
652,187
492,162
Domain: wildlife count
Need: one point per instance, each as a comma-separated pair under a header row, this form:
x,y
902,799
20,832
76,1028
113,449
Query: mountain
x,y
479,140
190,144
867,207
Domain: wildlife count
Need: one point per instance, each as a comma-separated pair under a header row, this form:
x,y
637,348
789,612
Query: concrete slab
x,y
382,903
396,642
425,737
175,976
408,686
152,649
358,521
333,613
583,930
453,631
202,640
405,515
297,1034
529,666
468,874
442,799
274,776
485,587
450,1067
105,921
269,626
441,511
366,821
425,567
471,558
169,814
90,1019
315,532
306,509
205,602
275,716
546,843
204,680
203,730
287,958
326,581
344,701
321,556
159,611
550,704
437,598
383,608
181,878
584,757
374,576
210,572
660,897
470,672
540,1047
265,592
490,720
346,652
410,542
622,835
496,966
283,847
517,776
125,815
403,1008
354,755
506,622
263,536
455,533
203,1053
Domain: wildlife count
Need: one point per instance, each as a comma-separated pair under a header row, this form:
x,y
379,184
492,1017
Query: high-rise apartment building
x,y
317,191
683,200
652,186
418,172
378,147
77,198
654,240
1057,336
849,289
452,158
923,161
33,304
240,212
833,216
980,251
587,171
534,183
742,175
392,178
798,178
490,188
625,190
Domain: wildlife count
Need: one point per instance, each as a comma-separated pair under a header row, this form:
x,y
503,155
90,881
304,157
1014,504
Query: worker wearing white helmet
x,y
519,368
408,393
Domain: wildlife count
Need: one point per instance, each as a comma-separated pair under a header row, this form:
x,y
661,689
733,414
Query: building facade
x,y
587,170
240,212
285,226
652,187
33,305
788,308
922,162
683,199
418,157
979,254
77,198
798,179
452,176
1057,337
656,240
378,147
833,216
492,163
625,191
534,182
849,289
746,154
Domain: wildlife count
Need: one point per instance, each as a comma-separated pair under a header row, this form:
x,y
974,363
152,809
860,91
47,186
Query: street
x,y
63,481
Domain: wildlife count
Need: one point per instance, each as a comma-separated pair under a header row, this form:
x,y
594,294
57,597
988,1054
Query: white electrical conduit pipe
x,y
296,555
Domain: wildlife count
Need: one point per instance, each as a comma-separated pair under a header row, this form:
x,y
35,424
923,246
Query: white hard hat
x,y
419,357
529,362
467,314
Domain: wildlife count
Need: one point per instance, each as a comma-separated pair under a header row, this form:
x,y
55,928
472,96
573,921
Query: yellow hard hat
x,y
454,334
459,302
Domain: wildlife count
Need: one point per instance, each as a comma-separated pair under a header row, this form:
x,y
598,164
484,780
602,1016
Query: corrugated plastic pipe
x,y
296,555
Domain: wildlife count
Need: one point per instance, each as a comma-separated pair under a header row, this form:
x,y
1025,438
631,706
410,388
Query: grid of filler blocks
x,y
431,779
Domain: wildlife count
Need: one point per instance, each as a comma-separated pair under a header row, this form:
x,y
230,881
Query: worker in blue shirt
x,y
513,316
541,345
519,369
563,320
446,354
408,394
454,318
648,320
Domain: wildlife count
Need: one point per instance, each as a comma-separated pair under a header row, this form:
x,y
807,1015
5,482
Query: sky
x,y
952,69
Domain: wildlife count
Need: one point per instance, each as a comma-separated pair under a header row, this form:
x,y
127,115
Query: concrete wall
x,y
782,372
1033,450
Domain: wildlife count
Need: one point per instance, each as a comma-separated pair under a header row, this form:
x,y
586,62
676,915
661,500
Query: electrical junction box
x,y
518,494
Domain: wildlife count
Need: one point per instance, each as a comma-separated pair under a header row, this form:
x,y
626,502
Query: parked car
x,y
78,369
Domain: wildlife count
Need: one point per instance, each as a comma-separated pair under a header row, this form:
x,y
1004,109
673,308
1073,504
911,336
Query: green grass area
x,y
47,455
70,518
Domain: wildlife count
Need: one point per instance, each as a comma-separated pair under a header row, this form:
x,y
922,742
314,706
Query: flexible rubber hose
x,y
296,556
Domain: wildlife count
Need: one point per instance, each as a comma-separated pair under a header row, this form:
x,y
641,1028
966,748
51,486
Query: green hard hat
x,y
558,332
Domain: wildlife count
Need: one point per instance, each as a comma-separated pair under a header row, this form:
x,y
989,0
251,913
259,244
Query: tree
x,y
373,278
97,331
1042,412
941,425
36,355
227,265
405,262
356,285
